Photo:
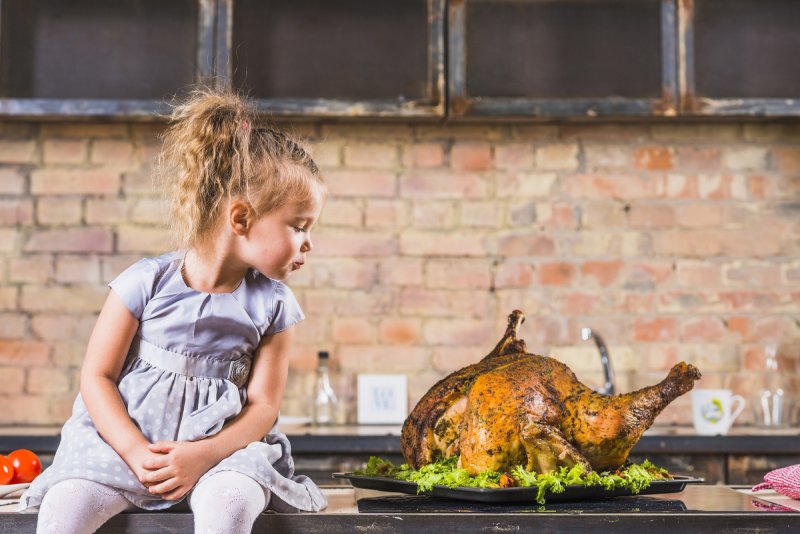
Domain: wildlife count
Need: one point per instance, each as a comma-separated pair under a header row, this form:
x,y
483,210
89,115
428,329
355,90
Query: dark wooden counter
x,y
696,509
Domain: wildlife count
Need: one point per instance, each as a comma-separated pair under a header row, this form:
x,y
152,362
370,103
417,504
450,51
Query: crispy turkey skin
x,y
515,408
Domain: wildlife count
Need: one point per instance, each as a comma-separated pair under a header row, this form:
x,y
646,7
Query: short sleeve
x,y
286,310
135,285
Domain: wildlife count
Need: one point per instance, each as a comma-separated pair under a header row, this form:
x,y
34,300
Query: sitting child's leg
x,y
227,502
78,506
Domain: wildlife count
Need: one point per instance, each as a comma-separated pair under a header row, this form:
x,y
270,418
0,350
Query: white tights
x,y
224,503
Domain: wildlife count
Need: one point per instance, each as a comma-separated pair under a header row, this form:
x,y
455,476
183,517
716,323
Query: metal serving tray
x,y
509,495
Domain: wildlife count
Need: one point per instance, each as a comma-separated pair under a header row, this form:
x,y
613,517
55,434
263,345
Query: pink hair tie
x,y
245,125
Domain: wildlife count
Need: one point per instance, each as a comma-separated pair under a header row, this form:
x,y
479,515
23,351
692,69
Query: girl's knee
x,y
229,496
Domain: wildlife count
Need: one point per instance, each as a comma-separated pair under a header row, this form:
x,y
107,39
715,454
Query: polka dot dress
x,y
182,381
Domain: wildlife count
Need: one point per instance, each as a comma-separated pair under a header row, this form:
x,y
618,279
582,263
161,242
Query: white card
x,y
382,399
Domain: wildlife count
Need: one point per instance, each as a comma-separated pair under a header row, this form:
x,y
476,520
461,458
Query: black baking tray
x,y
509,495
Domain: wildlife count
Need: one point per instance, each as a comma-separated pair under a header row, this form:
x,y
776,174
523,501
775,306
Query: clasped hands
x,y
172,468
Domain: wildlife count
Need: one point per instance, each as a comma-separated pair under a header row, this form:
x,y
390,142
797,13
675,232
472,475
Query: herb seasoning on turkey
x,y
513,409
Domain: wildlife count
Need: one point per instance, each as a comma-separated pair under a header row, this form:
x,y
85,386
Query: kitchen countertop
x,y
377,439
699,508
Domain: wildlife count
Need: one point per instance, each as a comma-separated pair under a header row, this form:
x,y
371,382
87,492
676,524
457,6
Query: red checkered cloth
x,y
785,481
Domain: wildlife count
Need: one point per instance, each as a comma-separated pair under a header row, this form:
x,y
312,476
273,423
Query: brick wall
x,y
675,242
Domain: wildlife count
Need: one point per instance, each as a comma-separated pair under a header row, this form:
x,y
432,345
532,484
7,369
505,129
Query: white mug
x,y
713,410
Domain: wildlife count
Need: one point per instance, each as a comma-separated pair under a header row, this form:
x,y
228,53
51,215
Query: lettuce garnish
x,y
634,477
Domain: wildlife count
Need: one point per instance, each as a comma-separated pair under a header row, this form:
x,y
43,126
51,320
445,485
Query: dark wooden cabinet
x,y
411,59
740,57
565,58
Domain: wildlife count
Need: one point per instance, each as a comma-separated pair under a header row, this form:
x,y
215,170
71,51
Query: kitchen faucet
x,y
608,387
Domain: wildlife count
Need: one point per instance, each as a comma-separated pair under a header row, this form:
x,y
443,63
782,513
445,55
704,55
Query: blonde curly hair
x,y
214,151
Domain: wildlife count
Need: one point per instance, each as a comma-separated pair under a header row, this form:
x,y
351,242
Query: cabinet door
x,y
562,58
750,469
740,57
347,58
95,57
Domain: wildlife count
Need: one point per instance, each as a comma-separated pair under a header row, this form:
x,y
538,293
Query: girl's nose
x,y
307,244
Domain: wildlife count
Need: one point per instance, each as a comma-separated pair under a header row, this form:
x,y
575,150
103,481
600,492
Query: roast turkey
x,y
514,408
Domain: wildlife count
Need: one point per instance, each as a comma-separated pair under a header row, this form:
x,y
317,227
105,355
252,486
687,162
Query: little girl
x,y
186,366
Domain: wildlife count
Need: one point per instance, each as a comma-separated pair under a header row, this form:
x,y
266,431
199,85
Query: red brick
x,y
753,274
146,210
715,187
13,380
604,273
786,159
696,243
401,272
72,299
106,210
345,273
442,244
13,212
353,330
513,274
604,157
449,359
144,239
603,215
693,159
77,270
64,150
8,298
561,156
445,303
555,215
400,331
9,239
13,325
698,274
459,273
327,154
646,275
31,268
659,329
739,325
138,183
471,156
386,213
653,158
362,183
514,156
480,213
24,353
74,182
620,186
442,184
25,410
18,151
54,326
338,243
699,215
651,216
676,186
59,210
370,155
43,380
112,152
558,274
349,212
456,332
400,359
525,244
703,329
84,239
580,303
423,155
12,182
525,184
433,214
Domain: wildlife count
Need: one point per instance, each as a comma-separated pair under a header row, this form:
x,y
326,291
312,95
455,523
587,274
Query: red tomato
x,y
6,470
27,466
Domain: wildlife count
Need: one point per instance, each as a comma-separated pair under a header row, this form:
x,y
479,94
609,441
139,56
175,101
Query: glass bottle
x,y
325,401
772,403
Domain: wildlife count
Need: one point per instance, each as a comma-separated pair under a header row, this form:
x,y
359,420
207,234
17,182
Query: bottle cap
x,y
323,355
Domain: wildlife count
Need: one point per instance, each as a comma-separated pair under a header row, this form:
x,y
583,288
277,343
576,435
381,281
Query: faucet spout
x,y
608,388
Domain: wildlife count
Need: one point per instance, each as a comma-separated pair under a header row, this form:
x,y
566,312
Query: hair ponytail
x,y
213,151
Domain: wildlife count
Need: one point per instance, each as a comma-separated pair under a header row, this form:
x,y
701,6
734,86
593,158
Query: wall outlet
x,y
382,399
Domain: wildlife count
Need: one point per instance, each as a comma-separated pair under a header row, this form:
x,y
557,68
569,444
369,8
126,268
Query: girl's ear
x,y
240,217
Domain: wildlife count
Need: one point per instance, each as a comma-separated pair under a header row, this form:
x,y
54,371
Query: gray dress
x,y
183,380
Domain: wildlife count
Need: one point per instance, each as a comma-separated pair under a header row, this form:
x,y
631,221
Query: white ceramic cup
x,y
715,410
